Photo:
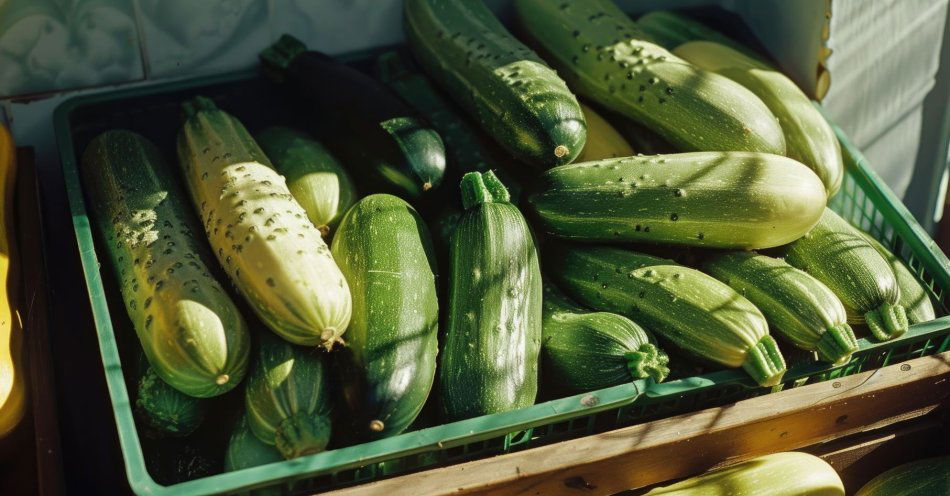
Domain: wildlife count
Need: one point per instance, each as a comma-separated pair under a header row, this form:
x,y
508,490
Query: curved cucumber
x,y
796,305
501,83
489,361
191,332
584,350
316,179
715,199
837,254
690,309
387,371
259,232
604,57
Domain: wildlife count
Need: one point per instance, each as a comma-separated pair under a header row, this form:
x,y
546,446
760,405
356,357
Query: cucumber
x,y
840,256
368,126
809,138
501,83
316,179
670,30
489,360
926,477
914,298
797,306
385,251
603,141
191,332
260,233
165,410
604,57
715,199
245,450
695,312
287,398
583,350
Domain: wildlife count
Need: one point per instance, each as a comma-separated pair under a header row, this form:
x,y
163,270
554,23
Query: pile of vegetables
x,y
432,238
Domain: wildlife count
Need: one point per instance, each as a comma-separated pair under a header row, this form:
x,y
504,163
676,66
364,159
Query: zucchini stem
x,y
648,361
887,321
478,188
197,104
764,362
836,344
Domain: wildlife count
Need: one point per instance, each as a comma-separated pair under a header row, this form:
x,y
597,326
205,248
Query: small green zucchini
x,y
837,254
387,370
583,350
287,398
927,477
604,57
501,83
914,298
164,409
314,176
796,305
489,361
716,199
694,311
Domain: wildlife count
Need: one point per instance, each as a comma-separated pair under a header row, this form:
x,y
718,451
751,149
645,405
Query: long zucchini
x,y
583,350
259,232
489,360
927,477
697,313
605,57
840,256
387,371
796,305
715,199
501,83
914,298
370,128
191,332
808,137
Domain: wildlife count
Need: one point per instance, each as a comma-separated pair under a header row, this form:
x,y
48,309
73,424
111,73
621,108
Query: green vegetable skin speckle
x,y
504,85
604,57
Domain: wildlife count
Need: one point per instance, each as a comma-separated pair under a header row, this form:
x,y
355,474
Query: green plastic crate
x,y
153,111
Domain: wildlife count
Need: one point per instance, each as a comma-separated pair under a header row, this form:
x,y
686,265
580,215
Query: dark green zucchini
x,y
501,83
245,450
371,129
164,409
489,360
583,350
385,252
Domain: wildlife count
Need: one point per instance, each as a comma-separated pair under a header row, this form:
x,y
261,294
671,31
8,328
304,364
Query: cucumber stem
x,y
302,434
836,344
478,188
197,104
887,321
648,361
764,362
278,56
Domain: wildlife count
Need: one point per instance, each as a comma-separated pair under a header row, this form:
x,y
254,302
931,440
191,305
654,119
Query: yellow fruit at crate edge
x,y
12,388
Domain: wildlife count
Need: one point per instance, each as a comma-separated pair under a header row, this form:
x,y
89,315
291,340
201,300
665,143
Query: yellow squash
x,y
603,141
12,388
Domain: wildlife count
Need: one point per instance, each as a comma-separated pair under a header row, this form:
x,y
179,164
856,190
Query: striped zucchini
x,y
245,450
191,332
489,360
583,350
603,141
314,177
164,409
605,58
501,83
809,138
670,30
796,305
697,313
926,477
261,235
914,298
840,256
387,371
287,398
715,199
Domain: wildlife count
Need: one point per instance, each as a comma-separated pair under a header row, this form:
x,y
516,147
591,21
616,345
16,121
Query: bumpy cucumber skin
x,y
388,367
809,138
583,350
259,232
489,361
505,86
165,409
914,298
604,57
692,310
191,332
797,306
603,141
715,199
288,398
316,179
837,254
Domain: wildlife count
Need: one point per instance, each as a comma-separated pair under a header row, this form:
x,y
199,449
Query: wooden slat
x,y
689,444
